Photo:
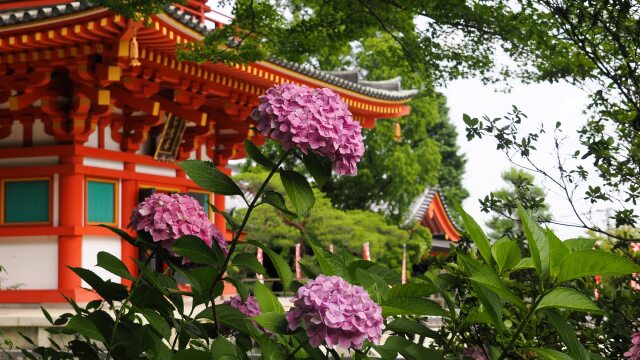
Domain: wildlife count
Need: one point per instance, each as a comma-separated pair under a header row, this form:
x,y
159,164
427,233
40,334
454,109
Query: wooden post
x,y
129,201
71,216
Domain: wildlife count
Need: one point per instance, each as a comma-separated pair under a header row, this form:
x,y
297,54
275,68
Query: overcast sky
x,y
543,103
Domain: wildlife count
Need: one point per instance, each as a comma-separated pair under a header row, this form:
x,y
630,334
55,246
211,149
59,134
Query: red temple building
x,y
430,210
95,109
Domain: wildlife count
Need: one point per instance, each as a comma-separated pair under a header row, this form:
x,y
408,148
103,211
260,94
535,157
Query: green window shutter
x,y
26,201
101,202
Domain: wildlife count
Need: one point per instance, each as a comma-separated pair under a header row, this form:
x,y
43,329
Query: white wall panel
x,y
101,163
30,261
91,246
155,170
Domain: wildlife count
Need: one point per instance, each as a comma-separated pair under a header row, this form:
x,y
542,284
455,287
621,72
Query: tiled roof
x,y
24,15
419,207
350,79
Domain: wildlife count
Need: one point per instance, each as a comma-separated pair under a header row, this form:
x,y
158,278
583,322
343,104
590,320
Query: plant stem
x,y
300,346
505,351
126,302
236,237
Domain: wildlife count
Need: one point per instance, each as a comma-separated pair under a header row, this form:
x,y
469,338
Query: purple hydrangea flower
x,y
311,119
634,351
334,311
167,218
249,307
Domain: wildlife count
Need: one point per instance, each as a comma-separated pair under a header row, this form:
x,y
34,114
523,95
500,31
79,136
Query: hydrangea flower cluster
x,y
634,351
249,307
334,311
311,119
167,218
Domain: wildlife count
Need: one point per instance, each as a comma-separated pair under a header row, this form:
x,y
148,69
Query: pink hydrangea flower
x,y
249,307
167,218
634,351
311,119
336,312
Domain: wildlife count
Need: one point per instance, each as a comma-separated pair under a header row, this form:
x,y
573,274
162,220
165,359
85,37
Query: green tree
x,y
347,230
503,204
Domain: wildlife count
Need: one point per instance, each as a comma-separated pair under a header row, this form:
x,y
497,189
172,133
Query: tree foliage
x,y
347,230
503,204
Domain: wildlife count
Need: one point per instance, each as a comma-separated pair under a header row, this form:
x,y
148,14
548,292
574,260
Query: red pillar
x,y
129,201
220,203
71,210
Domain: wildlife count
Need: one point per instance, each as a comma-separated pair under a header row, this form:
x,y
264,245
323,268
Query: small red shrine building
x,y
430,210
84,129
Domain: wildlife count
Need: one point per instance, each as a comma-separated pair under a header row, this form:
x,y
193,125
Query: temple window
x,y
25,201
102,201
203,199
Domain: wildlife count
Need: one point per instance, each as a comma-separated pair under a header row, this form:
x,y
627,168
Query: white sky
x,y
543,103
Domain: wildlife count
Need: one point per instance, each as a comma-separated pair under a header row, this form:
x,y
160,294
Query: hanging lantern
x,y
134,51
397,132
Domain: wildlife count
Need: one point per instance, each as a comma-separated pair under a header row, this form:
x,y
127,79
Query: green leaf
x,y
578,244
208,177
568,335
242,289
491,304
550,354
194,249
113,265
566,298
584,263
330,263
557,253
276,200
486,277
267,301
506,253
270,349
281,265
83,326
222,349
248,261
231,318
319,169
408,326
273,321
477,235
411,290
227,217
157,322
526,263
410,350
412,306
256,155
191,354
109,291
375,285
538,243
298,190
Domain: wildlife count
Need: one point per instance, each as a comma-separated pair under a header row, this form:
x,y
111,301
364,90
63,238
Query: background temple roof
x,y
386,89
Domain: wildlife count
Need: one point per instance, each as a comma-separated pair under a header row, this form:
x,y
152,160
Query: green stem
x,y
300,346
125,303
526,319
236,237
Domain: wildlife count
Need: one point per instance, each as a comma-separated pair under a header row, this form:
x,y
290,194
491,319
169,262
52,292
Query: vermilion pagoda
x,y
82,127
